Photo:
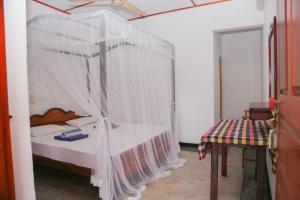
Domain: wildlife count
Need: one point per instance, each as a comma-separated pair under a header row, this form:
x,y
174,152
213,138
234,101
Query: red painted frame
x,y
61,10
75,7
291,49
51,6
7,181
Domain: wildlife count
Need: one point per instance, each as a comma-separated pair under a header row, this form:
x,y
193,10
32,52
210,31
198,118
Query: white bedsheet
x,y
78,152
81,152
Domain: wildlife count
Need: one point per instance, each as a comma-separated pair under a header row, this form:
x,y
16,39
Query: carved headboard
x,y
53,116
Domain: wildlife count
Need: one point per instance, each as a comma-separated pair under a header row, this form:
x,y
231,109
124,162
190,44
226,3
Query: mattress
x,y
81,152
78,152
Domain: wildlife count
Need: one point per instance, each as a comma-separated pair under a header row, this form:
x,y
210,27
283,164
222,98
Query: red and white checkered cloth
x,y
239,132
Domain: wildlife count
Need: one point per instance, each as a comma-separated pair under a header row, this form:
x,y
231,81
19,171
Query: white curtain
x,y
97,64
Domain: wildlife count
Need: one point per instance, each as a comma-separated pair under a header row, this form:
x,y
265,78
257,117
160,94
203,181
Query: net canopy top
x,y
82,33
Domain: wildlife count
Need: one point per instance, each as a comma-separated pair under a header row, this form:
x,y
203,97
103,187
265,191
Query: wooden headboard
x,y
53,116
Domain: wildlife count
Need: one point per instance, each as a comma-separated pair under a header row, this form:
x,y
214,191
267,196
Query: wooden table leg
x,y
256,163
214,172
261,172
224,160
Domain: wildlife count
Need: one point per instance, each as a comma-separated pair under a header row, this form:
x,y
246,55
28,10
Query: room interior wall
x,y
270,9
241,54
15,33
192,32
217,94
40,82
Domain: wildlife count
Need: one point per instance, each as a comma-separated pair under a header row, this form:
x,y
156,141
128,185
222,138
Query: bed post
x,y
173,90
103,79
103,74
88,80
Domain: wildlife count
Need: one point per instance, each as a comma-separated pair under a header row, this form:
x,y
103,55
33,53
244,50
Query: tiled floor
x,y
190,182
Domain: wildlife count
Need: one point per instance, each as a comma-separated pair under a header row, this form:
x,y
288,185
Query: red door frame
x,y
7,190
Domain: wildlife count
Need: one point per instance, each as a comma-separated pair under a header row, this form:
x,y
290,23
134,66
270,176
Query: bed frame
x,y
53,116
59,116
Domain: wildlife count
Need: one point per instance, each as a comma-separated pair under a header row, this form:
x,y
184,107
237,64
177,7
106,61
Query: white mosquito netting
x,y
98,64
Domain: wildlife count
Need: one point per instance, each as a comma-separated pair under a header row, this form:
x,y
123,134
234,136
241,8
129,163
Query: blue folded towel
x,y
79,136
113,125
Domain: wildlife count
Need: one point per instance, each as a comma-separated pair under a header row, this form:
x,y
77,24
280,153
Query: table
x,y
243,133
260,111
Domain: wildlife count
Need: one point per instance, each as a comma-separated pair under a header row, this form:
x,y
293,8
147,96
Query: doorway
x,y
238,71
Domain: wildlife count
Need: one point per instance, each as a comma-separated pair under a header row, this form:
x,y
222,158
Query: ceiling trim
x,y
178,9
51,6
81,5
136,18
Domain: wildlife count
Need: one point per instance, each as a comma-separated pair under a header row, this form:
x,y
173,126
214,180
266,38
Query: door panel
x,y
282,46
296,46
288,163
288,173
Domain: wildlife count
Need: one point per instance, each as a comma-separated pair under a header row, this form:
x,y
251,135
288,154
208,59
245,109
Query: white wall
x,y
241,71
15,33
217,77
34,9
270,8
192,32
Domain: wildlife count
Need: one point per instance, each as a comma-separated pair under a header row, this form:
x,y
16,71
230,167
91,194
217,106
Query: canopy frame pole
x,y
88,80
103,78
173,95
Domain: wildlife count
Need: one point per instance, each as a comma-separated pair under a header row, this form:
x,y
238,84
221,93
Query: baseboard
x,y
188,146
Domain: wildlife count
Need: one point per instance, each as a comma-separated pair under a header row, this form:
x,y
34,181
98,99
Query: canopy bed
x,y
80,154
97,66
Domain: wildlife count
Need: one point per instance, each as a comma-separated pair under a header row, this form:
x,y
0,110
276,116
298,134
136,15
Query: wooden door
x,y
6,170
288,166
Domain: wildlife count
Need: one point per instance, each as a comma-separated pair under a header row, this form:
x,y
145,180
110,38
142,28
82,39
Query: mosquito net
x,y
98,64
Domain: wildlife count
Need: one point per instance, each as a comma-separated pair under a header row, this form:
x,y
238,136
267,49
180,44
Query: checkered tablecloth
x,y
239,132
